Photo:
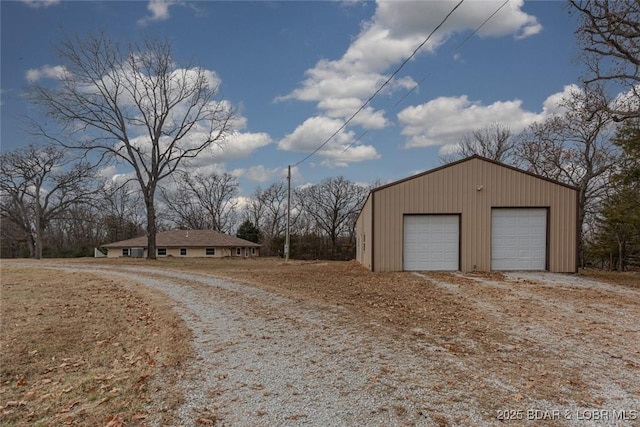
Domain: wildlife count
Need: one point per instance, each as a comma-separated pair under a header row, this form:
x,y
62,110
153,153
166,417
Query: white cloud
x,y
509,20
239,145
445,120
627,101
313,132
47,71
338,152
40,3
553,104
260,174
241,203
159,10
212,159
448,149
340,157
393,33
339,87
368,118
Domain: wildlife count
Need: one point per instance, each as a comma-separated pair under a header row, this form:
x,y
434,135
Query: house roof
x,y
186,238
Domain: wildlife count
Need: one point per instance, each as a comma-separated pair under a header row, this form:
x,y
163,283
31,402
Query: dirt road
x,y
410,349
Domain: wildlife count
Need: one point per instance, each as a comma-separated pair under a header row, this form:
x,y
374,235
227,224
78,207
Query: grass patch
x,y
81,349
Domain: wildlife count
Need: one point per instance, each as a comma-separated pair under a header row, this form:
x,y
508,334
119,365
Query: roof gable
x,y
186,238
467,159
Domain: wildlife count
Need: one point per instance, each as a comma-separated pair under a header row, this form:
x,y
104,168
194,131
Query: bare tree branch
x,y
38,185
136,106
609,35
574,148
494,142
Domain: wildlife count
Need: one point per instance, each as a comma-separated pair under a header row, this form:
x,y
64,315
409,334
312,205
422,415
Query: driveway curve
x,y
265,359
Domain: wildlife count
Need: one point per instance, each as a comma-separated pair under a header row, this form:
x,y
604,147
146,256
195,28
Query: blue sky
x,y
296,71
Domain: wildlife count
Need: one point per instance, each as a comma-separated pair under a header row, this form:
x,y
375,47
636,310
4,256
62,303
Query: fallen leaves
x,y
88,355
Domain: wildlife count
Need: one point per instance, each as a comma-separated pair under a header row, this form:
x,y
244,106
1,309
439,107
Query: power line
x,y
478,28
356,140
481,25
382,86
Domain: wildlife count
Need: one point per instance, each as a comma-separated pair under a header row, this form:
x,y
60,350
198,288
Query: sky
x,y
296,71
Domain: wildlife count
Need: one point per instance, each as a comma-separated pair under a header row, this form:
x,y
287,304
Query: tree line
x,y
50,212
135,106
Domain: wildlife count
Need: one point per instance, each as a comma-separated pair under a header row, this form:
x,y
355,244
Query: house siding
x,y
454,190
192,252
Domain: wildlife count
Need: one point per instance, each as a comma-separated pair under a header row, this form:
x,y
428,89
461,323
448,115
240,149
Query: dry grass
x,y
626,278
546,341
80,349
485,320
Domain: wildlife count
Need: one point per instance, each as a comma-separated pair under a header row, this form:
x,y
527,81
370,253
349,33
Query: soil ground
x,y
549,342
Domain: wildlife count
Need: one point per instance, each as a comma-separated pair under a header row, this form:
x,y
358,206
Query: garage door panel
x,y
431,242
519,239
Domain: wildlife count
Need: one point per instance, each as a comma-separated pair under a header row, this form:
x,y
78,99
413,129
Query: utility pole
x,y
287,236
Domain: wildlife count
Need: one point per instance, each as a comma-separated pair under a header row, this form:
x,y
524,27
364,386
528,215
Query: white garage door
x,y
431,242
518,239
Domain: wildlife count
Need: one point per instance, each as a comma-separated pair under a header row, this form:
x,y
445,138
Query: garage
x,y
474,214
431,242
519,239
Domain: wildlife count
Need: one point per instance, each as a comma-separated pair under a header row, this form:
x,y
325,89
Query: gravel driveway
x,y
566,349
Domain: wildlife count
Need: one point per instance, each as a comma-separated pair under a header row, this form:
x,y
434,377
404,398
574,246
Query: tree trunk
x,y
621,254
582,201
39,229
151,224
32,245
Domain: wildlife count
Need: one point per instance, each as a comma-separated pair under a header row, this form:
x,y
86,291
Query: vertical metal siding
x,y
364,233
453,190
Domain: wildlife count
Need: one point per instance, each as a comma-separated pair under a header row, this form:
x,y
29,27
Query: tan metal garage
x,y
473,214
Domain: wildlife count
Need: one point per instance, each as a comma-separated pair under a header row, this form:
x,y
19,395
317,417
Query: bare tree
x,y
38,185
76,232
268,210
494,142
334,205
136,106
204,202
254,209
574,148
121,211
609,35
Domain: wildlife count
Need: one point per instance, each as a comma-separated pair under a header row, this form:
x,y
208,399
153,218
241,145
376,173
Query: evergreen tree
x,y
248,231
619,233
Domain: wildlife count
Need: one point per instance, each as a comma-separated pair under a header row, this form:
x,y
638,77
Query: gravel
x,y
267,360
263,359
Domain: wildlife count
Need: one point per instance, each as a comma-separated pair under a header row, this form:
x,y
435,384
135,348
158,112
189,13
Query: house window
x,y
210,251
125,252
253,251
238,251
162,251
183,251
246,252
